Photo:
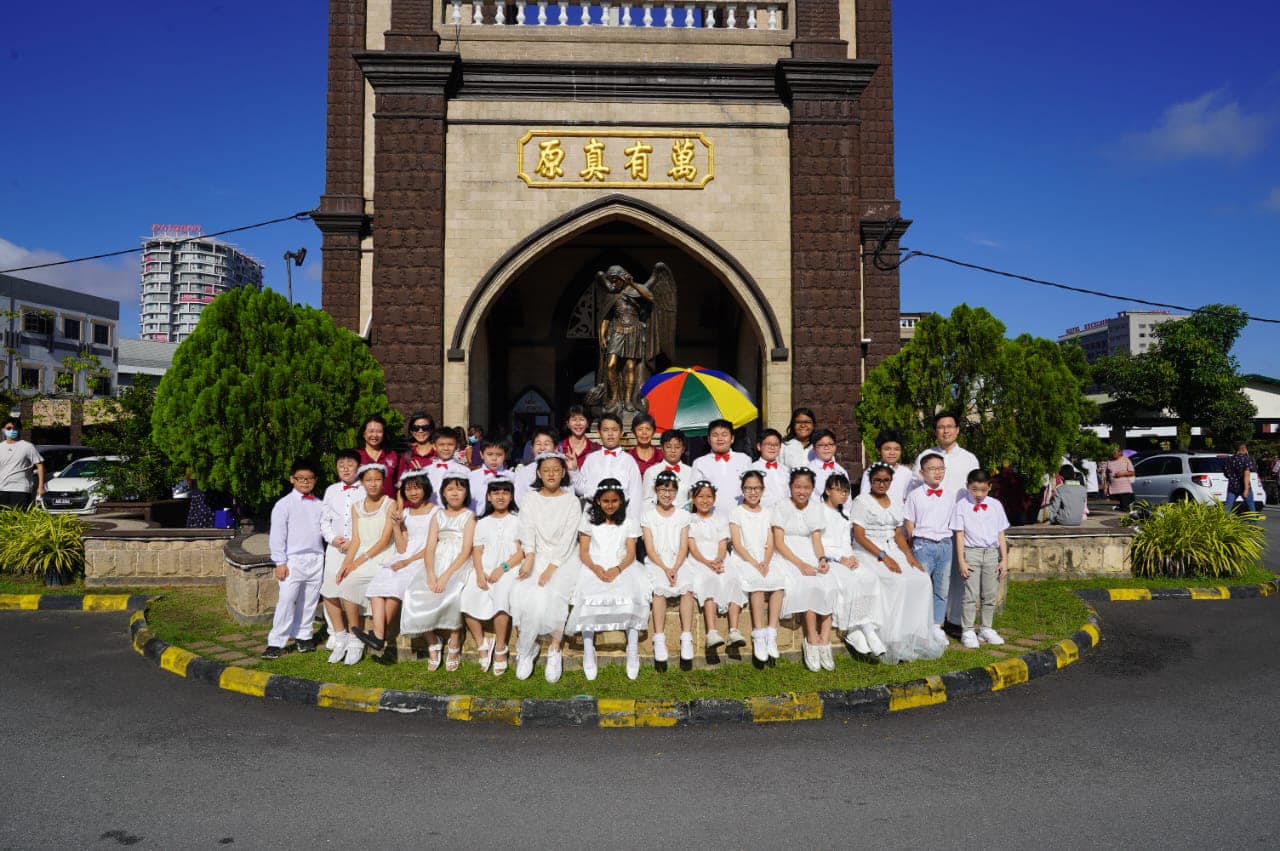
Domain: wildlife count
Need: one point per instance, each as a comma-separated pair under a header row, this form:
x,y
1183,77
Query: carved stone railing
x,y
653,14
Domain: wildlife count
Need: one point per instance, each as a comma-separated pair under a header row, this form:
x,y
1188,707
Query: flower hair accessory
x,y
546,456
364,468
666,477
703,483
406,475
608,485
878,465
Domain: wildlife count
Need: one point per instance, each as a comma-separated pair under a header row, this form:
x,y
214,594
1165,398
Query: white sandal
x,y
500,659
433,655
485,653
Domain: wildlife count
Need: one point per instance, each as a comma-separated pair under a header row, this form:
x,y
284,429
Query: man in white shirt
x,y
960,461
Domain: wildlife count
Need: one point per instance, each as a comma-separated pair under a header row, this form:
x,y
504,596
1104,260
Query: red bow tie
x,y
982,506
724,457
674,468
442,466
933,492
308,496
829,465
771,465
349,487
611,453
489,472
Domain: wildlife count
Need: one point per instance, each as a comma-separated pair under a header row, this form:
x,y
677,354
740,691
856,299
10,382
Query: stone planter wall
x,y
154,557
1058,553
251,585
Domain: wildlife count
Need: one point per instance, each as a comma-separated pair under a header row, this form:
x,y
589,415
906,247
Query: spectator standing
x,y
1241,471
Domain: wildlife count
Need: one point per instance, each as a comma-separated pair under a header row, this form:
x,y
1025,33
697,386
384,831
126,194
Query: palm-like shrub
x,y
41,544
1183,539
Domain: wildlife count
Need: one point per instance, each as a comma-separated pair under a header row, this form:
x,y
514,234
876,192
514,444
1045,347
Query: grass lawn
x,y
1037,614
20,584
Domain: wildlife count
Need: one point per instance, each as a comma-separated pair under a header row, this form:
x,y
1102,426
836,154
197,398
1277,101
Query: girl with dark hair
x,y
432,602
370,444
666,545
496,558
549,520
612,592
372,527
798,553
797,442
752,537
889,444
859,609
716,584
543,442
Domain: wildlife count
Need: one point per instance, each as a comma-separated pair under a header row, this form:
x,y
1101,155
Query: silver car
x,y
1180,476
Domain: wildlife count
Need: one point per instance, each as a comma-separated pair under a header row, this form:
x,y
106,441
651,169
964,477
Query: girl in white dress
x,y
612,591
666,546
889,447
859,609
751,535
496,558
811,589
716,583
549,519
907,592
371,532
432,602
410,527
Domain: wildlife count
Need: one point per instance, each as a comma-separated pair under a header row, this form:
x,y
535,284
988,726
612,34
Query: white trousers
x,y
299,596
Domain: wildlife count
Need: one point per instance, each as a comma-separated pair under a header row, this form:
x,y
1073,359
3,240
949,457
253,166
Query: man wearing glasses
x,y
960,461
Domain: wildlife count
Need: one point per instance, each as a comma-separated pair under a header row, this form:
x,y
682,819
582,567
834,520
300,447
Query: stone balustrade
x,y
661,14
154,557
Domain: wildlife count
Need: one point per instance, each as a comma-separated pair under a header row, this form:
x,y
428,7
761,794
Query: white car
x,y
1183,476
74,489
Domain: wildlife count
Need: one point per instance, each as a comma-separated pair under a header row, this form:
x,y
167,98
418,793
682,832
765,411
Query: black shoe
x,y
304,645
368,639
272,652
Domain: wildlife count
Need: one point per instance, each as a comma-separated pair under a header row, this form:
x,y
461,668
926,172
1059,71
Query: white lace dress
x,y
393,583
861,599
666,533
549,532
724,588
754,528
369,525
803,593
907,625
425,610
499,536
623,603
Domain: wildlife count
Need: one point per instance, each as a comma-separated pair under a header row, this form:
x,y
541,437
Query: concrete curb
x,y
1216,592
72,602
617,712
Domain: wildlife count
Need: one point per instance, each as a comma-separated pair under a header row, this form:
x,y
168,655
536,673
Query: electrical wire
x,y
306,214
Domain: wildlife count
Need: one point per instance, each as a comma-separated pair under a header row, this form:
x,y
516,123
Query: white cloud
x,y
1272,204
115,278
985,243
1210,126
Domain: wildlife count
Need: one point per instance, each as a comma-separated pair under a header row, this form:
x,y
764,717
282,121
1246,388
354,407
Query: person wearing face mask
x,y
21,469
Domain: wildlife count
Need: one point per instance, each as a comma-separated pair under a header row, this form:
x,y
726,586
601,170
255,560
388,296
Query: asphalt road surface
x,y
1164,737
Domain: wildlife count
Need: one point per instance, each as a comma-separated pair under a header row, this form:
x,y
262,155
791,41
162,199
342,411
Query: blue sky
x,y
1127,147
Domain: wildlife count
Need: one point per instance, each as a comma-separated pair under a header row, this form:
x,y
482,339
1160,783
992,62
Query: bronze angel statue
x,y
635,323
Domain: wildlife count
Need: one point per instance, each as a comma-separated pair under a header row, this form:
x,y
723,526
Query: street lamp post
x,y
296,257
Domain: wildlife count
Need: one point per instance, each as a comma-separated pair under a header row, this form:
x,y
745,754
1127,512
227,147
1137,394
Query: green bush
x,y
40,544
1196,539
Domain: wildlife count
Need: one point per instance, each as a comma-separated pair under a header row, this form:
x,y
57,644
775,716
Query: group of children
x,y
582,541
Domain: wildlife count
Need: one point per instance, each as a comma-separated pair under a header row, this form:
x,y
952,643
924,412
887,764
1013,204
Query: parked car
x,y
1178,476
75,490
56,457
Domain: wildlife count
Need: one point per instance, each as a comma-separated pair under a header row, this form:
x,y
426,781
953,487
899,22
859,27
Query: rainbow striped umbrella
x,y
689,398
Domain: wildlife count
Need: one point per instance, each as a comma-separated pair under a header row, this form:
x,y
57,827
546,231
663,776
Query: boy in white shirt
x,y
335,528
298,553
493,464
982,555
722,466
672,443
445,441
777,475
928,512
610,462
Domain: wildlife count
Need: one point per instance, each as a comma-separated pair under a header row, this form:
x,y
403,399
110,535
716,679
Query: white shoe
x,y
760,645
485,653
810,654
874,642
633,662
686,647
736,638
940,635
332,642
524,665
355,651
858,641
338,643
826,658
713,640
988,635
969,639
555,663
589,668
659,648
772,643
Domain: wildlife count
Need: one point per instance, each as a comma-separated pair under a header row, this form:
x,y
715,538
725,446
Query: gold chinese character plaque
x,y
637,159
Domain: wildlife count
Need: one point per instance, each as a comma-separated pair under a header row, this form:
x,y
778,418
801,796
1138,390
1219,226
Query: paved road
x,y
1165,737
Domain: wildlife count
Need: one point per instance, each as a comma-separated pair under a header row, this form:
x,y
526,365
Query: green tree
x,y
125,430
1019,400
258,384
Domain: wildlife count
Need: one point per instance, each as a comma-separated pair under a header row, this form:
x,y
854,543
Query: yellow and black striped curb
x,y
619,712
72,602
1215,592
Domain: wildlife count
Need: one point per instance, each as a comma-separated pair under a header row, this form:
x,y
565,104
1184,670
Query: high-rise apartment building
x,y
181,274
1130,332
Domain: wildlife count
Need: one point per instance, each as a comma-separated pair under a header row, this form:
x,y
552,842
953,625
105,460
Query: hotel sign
x,y
584,159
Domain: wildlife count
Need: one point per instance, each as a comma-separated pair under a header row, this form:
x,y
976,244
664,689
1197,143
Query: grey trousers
x,y
982,584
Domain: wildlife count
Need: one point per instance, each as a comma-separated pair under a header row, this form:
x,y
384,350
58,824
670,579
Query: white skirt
x,y
805,593
538,610
861,599
332,564
906,625
662,586
483,605
354,588
753,580
724,588
600,606
392,583
425,610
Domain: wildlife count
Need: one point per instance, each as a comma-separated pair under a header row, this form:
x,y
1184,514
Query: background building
x,y
45,325
907,325
144,357
1128,333
180,275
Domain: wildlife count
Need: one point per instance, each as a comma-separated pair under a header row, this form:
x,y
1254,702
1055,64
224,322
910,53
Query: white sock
x,y
867,628
770,632
588,639
633,640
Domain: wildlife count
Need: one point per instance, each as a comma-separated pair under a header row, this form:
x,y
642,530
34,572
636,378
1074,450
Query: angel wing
x,y
662,322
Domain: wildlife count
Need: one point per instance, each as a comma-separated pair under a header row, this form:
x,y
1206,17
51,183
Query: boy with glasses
x,y
297,549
